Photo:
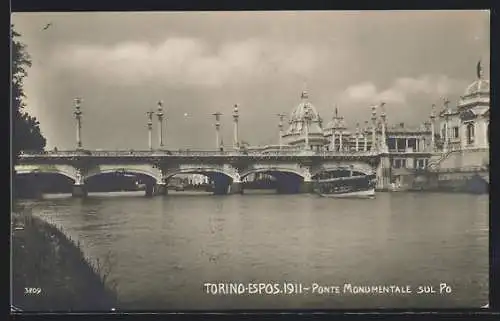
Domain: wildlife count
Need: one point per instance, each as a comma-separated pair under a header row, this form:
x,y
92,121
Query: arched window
x,y
470,133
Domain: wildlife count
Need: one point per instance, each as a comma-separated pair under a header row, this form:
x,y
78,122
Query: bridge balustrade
x,y
192,153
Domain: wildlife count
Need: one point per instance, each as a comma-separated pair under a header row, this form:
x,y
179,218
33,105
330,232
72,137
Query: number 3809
x,y
35,291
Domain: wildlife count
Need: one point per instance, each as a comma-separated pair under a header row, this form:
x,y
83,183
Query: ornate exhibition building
x,y
453,141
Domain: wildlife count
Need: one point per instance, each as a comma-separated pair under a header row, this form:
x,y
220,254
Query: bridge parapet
x,y
196,153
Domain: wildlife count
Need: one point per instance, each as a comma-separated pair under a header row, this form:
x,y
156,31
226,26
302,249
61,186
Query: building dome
x,y
305,108
305,121
304,111
477,93
479,86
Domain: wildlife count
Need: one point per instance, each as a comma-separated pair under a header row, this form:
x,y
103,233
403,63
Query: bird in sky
x,y
47,26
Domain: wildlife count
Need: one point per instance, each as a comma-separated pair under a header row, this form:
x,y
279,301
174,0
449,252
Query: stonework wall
x,y
465,158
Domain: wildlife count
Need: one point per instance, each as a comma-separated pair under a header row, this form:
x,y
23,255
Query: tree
x,y
26,134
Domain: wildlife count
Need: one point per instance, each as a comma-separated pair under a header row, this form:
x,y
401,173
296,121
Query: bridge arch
x,y
67,171
360,168
233,175
278,169
151,172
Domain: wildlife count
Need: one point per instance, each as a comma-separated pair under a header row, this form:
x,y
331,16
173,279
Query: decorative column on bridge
x,y
280,126
334,129
217,129
365,136
446,124
433,131
374,128
159,113
384,167
78,117
383,139
357,137
235,136
150,128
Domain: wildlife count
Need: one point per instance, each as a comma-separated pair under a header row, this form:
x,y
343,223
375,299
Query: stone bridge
x,y
226,169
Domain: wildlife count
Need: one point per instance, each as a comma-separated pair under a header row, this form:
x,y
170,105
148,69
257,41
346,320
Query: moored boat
x,y
347,187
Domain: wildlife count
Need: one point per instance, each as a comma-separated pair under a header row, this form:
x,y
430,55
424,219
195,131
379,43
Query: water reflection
x,y
166,248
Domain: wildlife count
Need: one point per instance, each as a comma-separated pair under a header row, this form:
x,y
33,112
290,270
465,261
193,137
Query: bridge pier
x,y
149,190
79,190
224,186
306,187
236,188
156,190
160,189
383,173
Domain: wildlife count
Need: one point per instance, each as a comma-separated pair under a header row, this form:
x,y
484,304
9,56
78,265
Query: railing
x,y
347,153
401,151
194,153
435,163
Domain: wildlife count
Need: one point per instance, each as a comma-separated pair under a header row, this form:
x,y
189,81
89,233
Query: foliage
x,y
26,134
44,257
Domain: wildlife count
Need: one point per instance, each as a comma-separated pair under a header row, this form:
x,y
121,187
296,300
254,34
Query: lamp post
x,y
357,137
150,128
159,113
365,136
374,127
78,117
383,116
235,118
217,129
433,134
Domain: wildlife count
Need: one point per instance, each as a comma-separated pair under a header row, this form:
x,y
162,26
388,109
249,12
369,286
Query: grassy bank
x,y
44,258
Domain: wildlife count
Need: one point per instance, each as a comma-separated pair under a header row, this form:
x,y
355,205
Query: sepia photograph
x,y
249,160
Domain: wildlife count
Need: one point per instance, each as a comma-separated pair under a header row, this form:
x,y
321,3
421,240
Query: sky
x,y
122,63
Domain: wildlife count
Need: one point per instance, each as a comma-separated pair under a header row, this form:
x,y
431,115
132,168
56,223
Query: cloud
x,y
188,61
402,88
362,92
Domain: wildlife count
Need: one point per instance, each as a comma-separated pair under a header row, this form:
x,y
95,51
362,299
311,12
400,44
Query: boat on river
x,y
347,187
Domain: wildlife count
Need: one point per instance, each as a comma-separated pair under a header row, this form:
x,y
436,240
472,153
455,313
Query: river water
x,y
165,249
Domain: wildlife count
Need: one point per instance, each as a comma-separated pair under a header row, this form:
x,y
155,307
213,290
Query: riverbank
x,y
50,271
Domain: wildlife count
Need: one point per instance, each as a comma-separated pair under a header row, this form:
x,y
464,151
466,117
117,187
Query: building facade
x,y
451,140
466,126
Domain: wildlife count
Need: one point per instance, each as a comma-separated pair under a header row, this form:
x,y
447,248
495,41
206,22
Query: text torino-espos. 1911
x,y
286,288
